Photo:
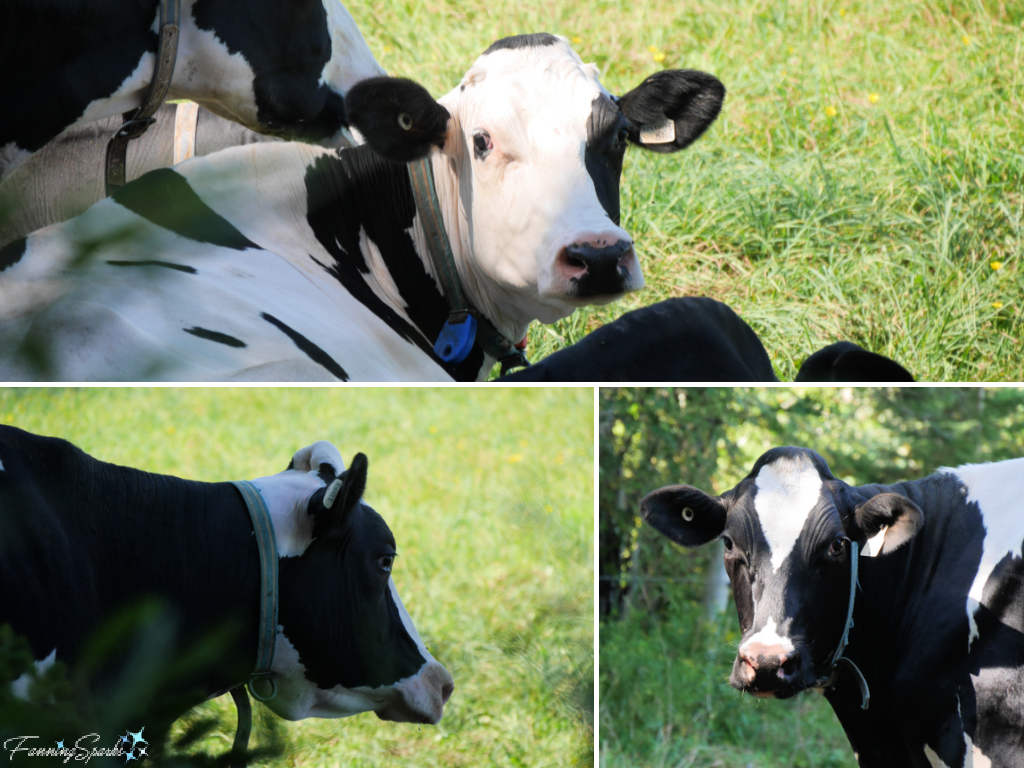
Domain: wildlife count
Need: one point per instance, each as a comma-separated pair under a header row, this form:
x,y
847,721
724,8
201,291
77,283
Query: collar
x,y
465,324
136,124
266,545
838,661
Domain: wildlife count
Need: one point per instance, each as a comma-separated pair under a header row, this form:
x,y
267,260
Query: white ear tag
x,y
332,493
874,545
662,132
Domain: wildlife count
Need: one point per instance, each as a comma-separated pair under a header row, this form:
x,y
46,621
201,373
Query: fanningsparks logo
x,y
131,746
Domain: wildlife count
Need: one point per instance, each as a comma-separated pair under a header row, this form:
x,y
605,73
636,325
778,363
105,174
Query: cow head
x,y
532,148
345,643
787,529
278,68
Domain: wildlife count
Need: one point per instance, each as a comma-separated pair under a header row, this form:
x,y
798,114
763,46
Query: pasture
x,y
490,496
864,181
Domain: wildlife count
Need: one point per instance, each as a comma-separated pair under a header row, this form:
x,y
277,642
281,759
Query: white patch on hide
x,y
874,545
998,489
768,636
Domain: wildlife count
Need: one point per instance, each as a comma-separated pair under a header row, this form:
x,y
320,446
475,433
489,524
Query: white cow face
x,y
345,642
535,147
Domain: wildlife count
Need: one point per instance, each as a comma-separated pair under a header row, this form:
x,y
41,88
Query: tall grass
x,y
490,496
865,180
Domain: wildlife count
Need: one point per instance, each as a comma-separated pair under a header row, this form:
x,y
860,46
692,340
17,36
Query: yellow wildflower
x,y
831,111
791,50
515,458
997,305
996,265
652,48
873,98
576,39
842,12
966,39
659,57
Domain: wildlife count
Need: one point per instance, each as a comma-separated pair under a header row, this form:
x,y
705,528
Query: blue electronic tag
x,y
456,340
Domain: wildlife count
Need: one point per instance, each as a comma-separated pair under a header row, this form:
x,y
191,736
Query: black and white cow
x,y
82,540
277,68
287,261
695,338
938,615
66,176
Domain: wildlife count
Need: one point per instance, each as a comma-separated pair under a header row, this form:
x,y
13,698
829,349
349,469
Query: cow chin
x,y
420,699
767,683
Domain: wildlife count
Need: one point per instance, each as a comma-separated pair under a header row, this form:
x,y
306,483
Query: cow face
x,y
787,529
278,68
345,643
533,153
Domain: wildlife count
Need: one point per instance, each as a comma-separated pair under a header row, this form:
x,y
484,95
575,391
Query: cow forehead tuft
x,y
788,490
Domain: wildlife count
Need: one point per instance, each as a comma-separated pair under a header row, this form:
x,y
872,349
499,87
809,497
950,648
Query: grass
x,y
490,496
865,180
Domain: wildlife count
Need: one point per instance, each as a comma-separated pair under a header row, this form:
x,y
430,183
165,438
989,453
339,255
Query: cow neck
x,y
136,125
465,324
266,545
840,662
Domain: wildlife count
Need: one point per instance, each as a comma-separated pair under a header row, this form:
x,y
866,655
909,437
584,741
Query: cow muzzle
x,y
421,698
771,671
598,268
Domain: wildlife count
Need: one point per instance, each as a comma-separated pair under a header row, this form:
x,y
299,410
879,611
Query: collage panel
x,y
435,574
811,577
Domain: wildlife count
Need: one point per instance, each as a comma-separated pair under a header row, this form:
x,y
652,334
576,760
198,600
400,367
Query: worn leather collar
x,y
136,124
421,174
839,662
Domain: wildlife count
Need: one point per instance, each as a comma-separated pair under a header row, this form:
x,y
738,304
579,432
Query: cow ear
x,y
844,361
331,505
686,515
398,118
901,518
672,108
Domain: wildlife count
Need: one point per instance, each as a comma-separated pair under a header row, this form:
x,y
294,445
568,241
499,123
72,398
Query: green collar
x,y
266,544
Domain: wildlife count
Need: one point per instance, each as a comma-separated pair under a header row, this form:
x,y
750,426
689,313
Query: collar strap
x,y
464,324
136,124
266,545
838,661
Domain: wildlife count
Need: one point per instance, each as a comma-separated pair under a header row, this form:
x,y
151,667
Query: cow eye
x,y
622,136
837,546
728,543
482,144
385,563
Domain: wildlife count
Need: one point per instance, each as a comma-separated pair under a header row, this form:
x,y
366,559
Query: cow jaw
x,y
527,205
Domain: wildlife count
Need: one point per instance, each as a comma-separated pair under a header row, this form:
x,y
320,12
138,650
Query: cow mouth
x,y
420,700
770,683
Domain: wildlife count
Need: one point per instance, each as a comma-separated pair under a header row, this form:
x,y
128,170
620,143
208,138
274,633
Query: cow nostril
x,y
575,261
789,665
446,692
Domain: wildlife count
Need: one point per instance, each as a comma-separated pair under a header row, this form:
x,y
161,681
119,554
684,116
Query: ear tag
x,y
456,340
874,545
687,514
332,493
661,132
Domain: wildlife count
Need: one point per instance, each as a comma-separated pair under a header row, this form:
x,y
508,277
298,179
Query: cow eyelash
x,y
482,144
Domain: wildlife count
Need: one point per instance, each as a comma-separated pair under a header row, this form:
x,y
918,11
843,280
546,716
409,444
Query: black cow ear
x,y
672,108
900,515
844,361
398,118
331,505
685,514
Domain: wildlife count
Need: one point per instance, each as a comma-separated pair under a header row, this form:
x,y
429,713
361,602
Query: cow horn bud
x,y
332,493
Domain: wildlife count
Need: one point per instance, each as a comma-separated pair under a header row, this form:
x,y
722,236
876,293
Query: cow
x,y
903,604
288,261
695,338
82,540
277,68
67,175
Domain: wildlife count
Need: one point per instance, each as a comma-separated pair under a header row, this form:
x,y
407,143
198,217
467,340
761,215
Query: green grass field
x,y
490,496
865,180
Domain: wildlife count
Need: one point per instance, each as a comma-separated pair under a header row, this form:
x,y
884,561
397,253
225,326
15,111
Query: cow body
x,y
68,175
280,69
695,338
291,262
90,540
938,619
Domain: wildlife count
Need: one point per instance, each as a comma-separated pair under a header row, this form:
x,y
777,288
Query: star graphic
x,y
60,745
137,737
128,756
142,751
